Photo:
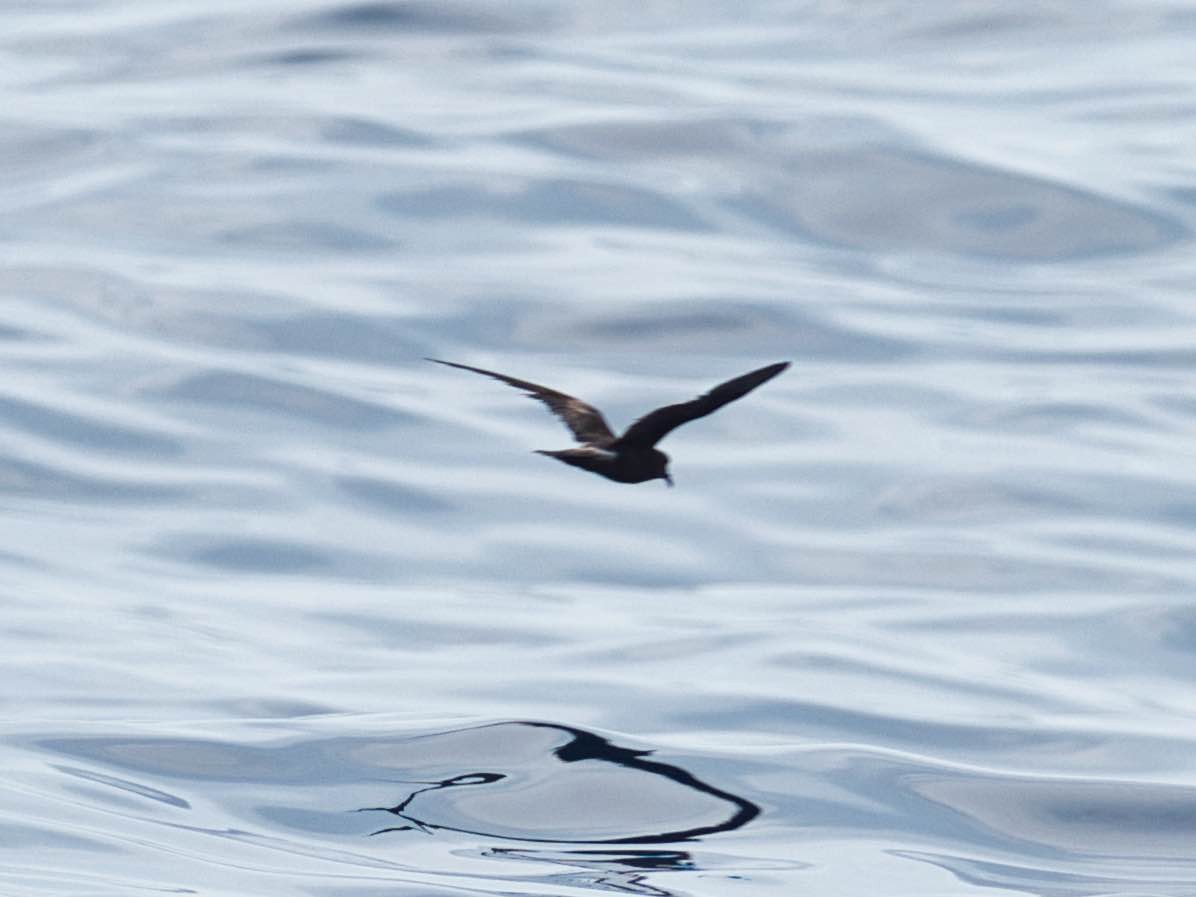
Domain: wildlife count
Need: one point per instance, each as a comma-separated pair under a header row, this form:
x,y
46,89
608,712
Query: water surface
x,y
287,610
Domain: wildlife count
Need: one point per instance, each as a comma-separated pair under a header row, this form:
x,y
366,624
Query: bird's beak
x,y
668,479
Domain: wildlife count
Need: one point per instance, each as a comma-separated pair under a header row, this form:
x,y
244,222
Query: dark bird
x,y
632,457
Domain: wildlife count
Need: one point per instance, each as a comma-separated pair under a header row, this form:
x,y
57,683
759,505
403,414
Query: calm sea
x,y
286,610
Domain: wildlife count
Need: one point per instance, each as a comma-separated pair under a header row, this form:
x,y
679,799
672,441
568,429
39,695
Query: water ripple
x,y
287,609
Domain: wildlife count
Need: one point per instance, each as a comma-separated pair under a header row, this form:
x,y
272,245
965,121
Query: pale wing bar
x,y
586,421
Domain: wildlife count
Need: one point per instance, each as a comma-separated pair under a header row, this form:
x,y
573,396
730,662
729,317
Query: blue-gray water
x,y
286,610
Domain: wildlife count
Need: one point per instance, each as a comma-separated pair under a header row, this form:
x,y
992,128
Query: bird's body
x,y
631,457
622,467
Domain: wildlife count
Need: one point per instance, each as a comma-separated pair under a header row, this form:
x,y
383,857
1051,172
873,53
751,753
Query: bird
x,y
633,456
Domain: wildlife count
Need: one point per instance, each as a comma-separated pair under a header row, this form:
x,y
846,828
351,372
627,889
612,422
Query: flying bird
x,y
632,457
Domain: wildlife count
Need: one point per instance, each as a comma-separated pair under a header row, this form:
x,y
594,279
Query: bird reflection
x,y
583,746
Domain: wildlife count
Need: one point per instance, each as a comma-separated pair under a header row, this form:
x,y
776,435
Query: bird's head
x,y
660,466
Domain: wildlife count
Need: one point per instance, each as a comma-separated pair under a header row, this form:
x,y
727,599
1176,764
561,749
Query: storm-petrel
x,y
632,457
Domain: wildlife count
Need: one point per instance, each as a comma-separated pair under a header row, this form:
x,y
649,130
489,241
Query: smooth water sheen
x,y
287,610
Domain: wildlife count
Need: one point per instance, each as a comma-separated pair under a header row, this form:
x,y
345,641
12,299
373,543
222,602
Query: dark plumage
x,y
632,457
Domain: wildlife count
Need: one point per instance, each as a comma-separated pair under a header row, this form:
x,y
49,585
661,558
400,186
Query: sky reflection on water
x,y
924,602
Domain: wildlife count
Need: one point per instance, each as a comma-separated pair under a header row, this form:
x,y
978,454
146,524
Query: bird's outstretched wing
x,y
586,421
655,425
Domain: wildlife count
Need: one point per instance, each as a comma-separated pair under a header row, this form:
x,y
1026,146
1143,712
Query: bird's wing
x,y
584,420
655,425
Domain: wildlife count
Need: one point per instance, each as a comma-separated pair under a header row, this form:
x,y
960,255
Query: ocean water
x,y
286,610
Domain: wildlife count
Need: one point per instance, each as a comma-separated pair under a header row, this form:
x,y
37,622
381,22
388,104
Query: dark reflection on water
x,y
638,859
623,871
519,781
627,870
401,808
582,746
